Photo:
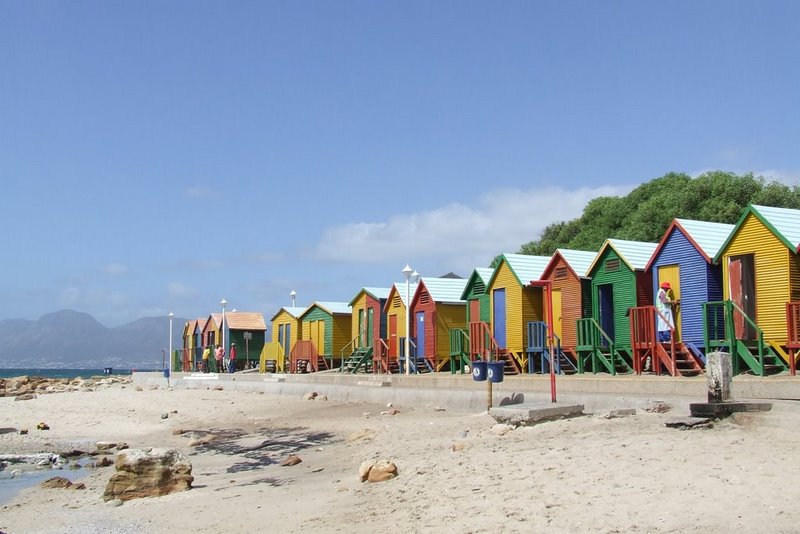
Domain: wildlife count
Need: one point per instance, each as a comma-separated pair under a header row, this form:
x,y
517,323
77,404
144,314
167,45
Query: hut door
x,y
369,335
499,317
318,336
474,310
741,276
420,331
605,300
393,335
672,274
555,295
361,332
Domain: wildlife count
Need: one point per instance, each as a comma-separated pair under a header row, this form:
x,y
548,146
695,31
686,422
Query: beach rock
x,y
115,502
42,426
25,396
177,431
105,445
311,395
105,461
382,471
363,470
61,483
291,460
501,429
659,407
148,473
137,388
458,446
121,446
164,415
623,412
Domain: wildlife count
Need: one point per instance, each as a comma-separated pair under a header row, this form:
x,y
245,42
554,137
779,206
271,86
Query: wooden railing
x,y
459,349
645,342
306,351
380,357
483,345
272,351
793,330
729,313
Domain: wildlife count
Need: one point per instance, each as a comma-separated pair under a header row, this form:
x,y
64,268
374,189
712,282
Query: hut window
x,y
561,273
612,265
424,298
397,302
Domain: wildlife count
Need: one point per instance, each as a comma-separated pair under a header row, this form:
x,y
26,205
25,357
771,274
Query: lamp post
x,y
223,303
407,270
293,294
171,315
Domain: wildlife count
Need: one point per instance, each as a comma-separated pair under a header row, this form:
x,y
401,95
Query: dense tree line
x,y
646,212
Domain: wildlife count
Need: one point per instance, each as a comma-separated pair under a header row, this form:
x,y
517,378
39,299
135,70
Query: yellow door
x,y
318,335
672,274
556,293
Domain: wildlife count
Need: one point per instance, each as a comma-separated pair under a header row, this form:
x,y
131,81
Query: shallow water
x,y
10,486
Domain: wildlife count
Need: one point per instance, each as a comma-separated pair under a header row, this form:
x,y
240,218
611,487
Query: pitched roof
x,y
706,237
577,260
294,311
526,268
783,222
216,318
245,321
635,254
401,290
484,274
332,308
378,293
445,290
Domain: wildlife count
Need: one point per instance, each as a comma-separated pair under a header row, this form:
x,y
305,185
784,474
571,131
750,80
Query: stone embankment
x,y
27,387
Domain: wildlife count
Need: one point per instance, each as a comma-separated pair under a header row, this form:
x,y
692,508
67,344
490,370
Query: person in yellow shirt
x,y
206,356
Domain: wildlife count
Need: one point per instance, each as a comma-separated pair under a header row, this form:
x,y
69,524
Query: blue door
x,y
420,334
605,296
499,322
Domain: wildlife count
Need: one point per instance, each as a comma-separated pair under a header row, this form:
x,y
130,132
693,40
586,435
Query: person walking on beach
x,y
218,354
206,356
232,359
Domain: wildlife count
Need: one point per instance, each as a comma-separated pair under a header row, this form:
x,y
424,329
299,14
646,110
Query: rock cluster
x,y
27,387
380,471
148,473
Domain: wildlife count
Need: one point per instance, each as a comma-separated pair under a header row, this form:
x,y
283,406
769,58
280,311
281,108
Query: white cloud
x,y
201,191
780,175
180,290
459,235
115,269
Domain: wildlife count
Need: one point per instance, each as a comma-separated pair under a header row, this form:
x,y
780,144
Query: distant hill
x,y
71,339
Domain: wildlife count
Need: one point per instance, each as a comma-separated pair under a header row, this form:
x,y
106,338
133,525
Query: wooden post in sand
x,y
488,381
719,373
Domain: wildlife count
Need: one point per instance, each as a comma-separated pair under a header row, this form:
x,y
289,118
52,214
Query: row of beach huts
x,y
738,288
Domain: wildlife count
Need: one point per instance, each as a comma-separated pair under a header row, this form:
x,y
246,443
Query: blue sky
x,y
161,156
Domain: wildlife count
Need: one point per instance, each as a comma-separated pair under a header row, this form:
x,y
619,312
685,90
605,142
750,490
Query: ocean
x,y
64,373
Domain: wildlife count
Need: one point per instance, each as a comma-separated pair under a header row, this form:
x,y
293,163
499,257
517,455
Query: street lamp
x,y
223,303
407,270
293,294
171,315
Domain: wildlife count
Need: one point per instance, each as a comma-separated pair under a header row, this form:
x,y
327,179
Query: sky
x,y
158,157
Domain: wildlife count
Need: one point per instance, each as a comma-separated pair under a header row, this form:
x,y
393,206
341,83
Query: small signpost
x,y
247,337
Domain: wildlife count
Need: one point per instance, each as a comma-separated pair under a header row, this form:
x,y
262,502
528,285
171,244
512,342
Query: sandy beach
x,y
457,472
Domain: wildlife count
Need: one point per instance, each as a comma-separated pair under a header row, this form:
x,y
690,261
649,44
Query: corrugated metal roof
x,y
294,311
635,253
245,321
786,221
334,307
401,290
485,273
709,236
578,260
445,290
527,268
379,293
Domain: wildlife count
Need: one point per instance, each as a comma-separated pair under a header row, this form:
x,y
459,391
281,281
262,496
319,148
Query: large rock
x,y
148,473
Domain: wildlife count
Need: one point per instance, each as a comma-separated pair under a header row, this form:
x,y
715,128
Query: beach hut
x,y
761,281
619,283
513,304
436,308
192,344
285,333
478,310
212,336
570,300
395,309
325,333
248,331
368,329
685,258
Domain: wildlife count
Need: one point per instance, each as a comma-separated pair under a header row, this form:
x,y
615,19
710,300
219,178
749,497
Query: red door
x,y
474,310
393,335
743,294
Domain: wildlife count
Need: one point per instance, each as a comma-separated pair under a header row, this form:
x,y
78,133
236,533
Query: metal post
x,y
171,315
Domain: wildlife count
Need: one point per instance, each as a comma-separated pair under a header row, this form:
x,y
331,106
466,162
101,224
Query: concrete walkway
x,y
462,393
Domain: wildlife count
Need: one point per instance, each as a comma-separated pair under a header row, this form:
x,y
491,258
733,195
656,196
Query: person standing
x,y
218,354
664,321
206,356
232,359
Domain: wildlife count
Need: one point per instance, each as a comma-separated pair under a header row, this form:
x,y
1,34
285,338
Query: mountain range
x,y
71,339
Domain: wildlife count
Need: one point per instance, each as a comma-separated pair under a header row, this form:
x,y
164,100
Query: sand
x,y
457,473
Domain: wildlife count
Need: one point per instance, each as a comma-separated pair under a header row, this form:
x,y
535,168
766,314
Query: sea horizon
x,y
55,372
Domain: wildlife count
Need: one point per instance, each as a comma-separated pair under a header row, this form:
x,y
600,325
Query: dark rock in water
x,y
56,483
148,473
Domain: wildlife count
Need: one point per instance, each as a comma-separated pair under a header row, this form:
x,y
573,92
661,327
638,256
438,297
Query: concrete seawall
x,y
461,393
